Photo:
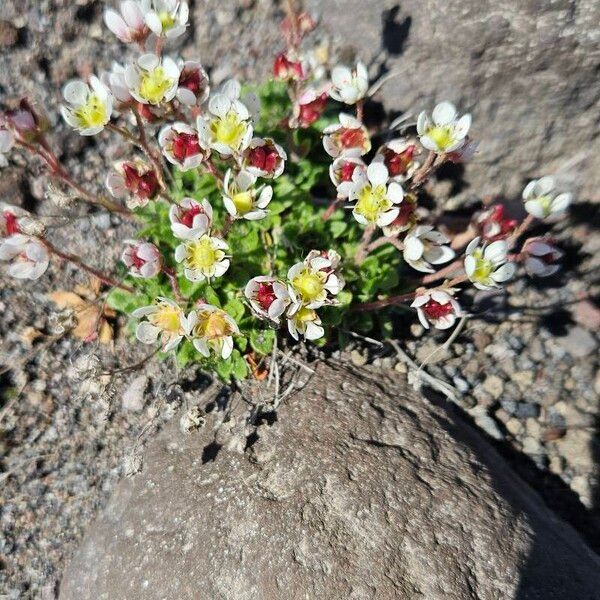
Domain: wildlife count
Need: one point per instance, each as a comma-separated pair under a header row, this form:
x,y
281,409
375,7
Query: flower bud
x,y
285,69
265,158
309,107
493,225
541,257
142,259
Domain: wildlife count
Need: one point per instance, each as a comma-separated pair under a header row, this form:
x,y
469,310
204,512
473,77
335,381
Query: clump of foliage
x,y
266,211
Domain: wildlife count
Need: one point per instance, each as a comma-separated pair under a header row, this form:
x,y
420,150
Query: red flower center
x,y
346,171
144,186
398,162
351,138
10,222
407,210
265,295
187,216
191,80
311,111
137,261
434,310
264,158
495,226
185,145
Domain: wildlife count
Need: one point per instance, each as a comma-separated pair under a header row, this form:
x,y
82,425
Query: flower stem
x,y
421,176
394,241
362,250
170,273
72,258
377,304
58,171
331,209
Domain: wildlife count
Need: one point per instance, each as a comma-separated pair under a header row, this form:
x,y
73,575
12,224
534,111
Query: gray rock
x,y
526,70
133,396
578,342
371,493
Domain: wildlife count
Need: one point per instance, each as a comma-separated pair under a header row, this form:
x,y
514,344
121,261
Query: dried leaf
x,y
91,321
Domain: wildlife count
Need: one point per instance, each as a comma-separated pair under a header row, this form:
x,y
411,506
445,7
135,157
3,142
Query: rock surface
x,y
527,71
358,489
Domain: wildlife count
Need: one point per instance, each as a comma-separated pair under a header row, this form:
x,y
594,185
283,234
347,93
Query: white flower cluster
x,y
310,284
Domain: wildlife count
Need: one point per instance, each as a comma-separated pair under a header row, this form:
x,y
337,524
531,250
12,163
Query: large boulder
x,y
355,488
526,69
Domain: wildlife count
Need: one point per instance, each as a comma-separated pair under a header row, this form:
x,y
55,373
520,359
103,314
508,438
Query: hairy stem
x,y
362,250
72,258
170,273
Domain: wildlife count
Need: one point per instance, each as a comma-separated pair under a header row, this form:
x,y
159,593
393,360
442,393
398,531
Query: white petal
x,y
75,92
377,173
444,113
462,127
422,123
496,251
504,273
147,333
395,192
544,185
534,208
413,248
472,245
116,24
560,203
219,105
313,331
470,264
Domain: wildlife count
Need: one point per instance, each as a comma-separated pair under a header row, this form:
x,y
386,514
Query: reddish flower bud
x,y
309,108
493,224
286,69
398,163
144,185
264,158
265,295
9,224
185,145
541,257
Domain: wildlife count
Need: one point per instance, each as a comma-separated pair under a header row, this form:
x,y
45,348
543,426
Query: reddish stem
x,y
72,258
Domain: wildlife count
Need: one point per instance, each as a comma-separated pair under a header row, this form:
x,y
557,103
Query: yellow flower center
x,y
213,325
546,204
93,113
309,284
483,268
372,201
305,315
202,254
166,20
154,85
442,136
242,201
228,130
167,318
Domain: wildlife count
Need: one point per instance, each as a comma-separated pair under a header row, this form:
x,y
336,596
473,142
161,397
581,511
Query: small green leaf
x,y
262,340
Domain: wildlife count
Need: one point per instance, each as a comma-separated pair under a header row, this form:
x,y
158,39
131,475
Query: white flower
x,y
193,88
114,80
445,132
541,202
341,173
424,247
152,80
242,200
29,256
190,219
212,329
203,258
268,297
349,86
487,266
397,155
164,320
315,281
7,141
349,137
142,259
541,257
375,200
264,158
166,18
437,307
180,146
133,180
304,321
129,26
227,129
89,106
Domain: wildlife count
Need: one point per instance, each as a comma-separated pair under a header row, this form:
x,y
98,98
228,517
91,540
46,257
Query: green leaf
x,y
235,308
262,340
